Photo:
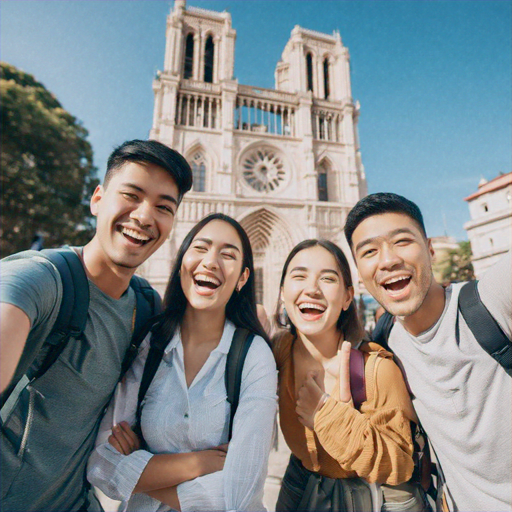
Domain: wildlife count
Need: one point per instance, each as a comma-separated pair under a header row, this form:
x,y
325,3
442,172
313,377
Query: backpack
x,y
485,329
240,345
421,476
71,320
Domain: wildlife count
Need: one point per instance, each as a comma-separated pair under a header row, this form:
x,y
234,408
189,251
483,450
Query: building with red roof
x,y
490,227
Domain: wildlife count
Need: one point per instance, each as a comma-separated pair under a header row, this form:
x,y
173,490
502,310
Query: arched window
x,y
198,172
326,78
322,184
309,71
209,50
188,69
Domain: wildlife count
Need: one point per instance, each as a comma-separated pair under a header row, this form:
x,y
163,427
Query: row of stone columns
x,y
326,126
199,111
278,119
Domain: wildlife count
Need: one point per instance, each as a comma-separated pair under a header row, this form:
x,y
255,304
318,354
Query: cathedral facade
x,y
284,162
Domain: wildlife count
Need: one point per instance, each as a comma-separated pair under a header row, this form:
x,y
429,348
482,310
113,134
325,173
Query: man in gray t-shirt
x,y
48,434
461,394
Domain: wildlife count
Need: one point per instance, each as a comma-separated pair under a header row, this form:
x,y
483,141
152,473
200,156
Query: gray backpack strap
x,y
148,305
240,345
484,327
70,322
74,306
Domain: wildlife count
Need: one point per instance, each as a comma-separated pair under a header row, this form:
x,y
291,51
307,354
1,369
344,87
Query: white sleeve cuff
x,y
114,473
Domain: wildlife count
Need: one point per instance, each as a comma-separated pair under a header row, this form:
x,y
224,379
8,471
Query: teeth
x,y
310,305
208,279
395,280
135,234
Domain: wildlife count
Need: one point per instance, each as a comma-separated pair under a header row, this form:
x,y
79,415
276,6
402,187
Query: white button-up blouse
x,y
177,419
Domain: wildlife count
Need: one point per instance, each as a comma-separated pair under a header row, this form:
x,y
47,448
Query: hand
x,y
124,439
309,397
345,393
211,461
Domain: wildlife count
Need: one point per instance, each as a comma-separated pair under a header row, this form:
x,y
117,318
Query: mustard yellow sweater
x,y
373,443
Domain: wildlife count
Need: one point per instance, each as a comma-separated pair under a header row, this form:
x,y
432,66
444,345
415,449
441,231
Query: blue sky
x,y
433,78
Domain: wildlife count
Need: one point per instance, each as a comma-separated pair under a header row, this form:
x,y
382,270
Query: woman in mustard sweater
x,y
339,452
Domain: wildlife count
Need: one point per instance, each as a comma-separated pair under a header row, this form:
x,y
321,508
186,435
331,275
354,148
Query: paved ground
x,y
277,463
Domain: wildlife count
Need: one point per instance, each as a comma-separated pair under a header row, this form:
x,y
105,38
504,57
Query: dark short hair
x,y
241,307
151,152
348,322
378,204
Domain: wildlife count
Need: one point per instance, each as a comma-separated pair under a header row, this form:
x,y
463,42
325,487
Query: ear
x,y
95,199
243,279
350,298
431,249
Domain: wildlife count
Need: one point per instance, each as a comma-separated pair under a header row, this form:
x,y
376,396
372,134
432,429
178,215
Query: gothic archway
x,y
271,241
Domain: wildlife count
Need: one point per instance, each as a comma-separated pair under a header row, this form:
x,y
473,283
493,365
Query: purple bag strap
x,y
357,380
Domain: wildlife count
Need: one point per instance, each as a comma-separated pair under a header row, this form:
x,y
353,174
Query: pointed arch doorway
x,y
271,243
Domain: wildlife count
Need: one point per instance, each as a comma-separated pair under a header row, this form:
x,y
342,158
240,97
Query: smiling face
x,y
135,214
314,292
211,268
394,260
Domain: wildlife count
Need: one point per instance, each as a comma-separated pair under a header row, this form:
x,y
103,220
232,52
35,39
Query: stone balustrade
x,y
194,208
265,111
199,110
326,124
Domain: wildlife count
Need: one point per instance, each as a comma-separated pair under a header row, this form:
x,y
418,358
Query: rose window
x,y
263,170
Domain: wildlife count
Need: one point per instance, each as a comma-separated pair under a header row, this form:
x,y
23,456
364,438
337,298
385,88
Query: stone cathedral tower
x,y
284,162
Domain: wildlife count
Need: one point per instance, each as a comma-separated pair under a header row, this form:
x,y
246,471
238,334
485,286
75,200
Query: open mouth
x,y
206,282
135,237
396,285
311,311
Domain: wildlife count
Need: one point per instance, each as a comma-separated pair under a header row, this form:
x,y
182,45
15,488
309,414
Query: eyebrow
x,y
389,234
161,196
209,242
305,269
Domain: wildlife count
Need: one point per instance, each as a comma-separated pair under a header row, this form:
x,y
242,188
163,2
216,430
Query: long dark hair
x,y
241,307
348,322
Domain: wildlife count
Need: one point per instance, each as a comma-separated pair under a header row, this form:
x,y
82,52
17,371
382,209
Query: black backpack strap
x,y
382,329
148,304
148,301
155,354
484,327
72,315
242,340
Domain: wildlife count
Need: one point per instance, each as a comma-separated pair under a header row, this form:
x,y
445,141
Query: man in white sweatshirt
x,y
461,394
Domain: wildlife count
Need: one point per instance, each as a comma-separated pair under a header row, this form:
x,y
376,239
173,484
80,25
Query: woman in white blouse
x,y
186,464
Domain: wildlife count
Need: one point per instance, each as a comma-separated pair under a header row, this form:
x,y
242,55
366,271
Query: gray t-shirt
x,y
47,440
463,396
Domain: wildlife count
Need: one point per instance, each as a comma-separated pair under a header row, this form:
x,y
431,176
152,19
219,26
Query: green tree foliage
x,y
458,266
47,171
